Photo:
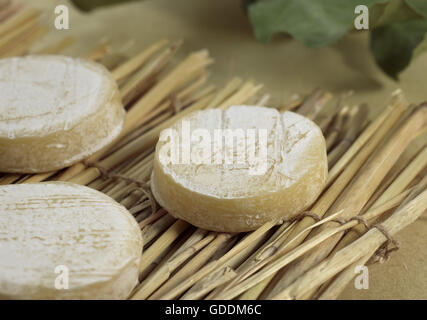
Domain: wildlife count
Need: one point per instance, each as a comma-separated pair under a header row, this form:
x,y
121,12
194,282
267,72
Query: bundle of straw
x,y
374,187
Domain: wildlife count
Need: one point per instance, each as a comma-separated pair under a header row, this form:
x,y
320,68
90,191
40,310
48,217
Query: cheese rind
x,y
55,111
230,197
58,234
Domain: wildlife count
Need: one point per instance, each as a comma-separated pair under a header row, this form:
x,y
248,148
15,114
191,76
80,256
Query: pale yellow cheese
x,y
66,241
235,196
55,111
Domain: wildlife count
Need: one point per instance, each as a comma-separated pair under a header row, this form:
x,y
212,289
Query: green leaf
x,y
394,45
88,5
313,22
419,6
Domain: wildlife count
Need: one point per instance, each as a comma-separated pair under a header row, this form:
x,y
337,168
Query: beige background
x,y
284,67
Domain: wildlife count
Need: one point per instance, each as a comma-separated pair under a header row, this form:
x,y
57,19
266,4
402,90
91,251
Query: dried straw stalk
x,y
192,262
314,103
196,63
360,150
8,11
359,191
273,265
367,245
397,187
8,29
335,287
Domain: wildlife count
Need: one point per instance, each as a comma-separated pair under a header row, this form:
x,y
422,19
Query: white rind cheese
x,y
53,233
232,196
55,111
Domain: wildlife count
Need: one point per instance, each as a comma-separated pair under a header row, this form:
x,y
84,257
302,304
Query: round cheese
x,y
66,241
234,170
55,111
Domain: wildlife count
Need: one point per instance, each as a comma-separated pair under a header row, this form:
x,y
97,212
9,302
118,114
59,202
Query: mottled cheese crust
x,y
55,111
47,227
227,197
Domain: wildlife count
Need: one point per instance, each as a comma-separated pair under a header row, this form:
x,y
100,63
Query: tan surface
x,y
285,67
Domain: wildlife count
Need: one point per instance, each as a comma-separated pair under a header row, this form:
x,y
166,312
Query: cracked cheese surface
x,y
228,196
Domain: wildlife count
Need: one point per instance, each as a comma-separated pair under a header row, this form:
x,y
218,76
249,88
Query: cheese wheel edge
x,y
57,146
115,280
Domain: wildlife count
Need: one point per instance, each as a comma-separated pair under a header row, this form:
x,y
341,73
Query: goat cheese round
x,y
55,111
61,240
234,170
